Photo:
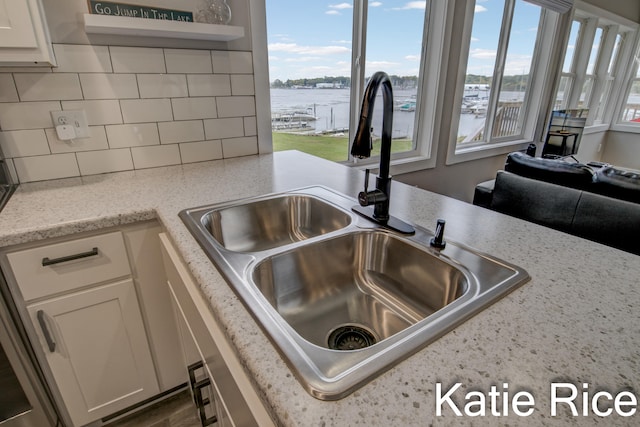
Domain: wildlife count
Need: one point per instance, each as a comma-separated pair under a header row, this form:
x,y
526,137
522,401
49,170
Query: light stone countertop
x,y
577,320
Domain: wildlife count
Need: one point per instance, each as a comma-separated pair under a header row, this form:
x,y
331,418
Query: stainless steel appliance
x,y
24,398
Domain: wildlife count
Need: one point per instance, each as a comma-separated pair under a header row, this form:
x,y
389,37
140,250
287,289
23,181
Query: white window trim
x,y
615,104
260,56
433,74
543,72
624,85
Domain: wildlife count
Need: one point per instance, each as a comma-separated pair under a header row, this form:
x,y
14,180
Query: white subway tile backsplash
x,y
27,115
146,110
250,126
109,86
40,168
236,147
82,59
99,112
209,85
145,107
162,85
24,143
181,131
97,141
188,61
236,106
104,161
8,92
151,157
194,108
48,87
120,136
201,151
223,128
232,62
242,84
137,60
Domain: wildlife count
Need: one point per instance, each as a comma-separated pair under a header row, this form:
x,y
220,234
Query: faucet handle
x,y
368,198
366,179
438,240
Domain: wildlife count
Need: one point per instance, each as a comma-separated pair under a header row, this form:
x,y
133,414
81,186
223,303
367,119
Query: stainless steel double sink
x,y
340,297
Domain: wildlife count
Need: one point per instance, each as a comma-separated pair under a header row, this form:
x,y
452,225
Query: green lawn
x,y
334,148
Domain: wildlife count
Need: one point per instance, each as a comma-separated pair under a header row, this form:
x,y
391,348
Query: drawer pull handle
x,y
47,336
202,402
46,261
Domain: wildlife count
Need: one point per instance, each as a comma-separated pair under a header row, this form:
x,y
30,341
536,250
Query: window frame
x,y
432,58
543,65
620,77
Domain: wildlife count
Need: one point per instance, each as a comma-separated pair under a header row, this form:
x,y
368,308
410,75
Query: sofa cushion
x,y
556,171
541,202
610,221
618,183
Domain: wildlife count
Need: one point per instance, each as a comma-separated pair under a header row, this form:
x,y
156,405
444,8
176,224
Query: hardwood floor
x,y
176,411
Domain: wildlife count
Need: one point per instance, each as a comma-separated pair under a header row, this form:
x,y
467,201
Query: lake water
x,y
331,107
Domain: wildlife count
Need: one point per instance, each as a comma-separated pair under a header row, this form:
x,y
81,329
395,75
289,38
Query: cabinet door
x,y
97,349
16,26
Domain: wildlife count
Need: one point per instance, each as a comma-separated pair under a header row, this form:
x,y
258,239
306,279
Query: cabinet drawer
x,y
50,269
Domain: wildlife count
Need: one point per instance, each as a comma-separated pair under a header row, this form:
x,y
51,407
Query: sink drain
x,y
351,337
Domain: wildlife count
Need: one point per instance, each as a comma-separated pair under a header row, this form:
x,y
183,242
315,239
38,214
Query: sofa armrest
x,y
483,193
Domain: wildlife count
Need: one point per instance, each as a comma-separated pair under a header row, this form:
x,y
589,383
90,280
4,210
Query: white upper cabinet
x,y
24,36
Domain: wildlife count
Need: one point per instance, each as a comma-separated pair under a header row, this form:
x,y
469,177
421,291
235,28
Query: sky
x,y
313,38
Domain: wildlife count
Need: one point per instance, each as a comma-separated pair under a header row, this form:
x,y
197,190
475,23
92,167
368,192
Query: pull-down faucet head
x,y
362,142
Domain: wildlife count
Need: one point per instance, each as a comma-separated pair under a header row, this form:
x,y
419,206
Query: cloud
x,y
333,12
482,54
308,50
380,64
375,4
412,57
413,5
341,6
479,9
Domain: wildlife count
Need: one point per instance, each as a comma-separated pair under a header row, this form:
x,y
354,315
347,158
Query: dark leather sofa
x,y
597,203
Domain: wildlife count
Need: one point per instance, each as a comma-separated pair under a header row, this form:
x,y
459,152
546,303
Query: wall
x,y
622,149
146,106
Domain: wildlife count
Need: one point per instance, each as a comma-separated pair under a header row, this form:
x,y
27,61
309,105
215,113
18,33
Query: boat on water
x,y
408,106
293,116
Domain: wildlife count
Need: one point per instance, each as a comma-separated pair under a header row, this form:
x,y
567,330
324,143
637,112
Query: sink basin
x,y
272,222
341,298
375,286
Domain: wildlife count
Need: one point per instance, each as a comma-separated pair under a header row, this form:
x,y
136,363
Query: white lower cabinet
x,y
221,386
96,346
97,310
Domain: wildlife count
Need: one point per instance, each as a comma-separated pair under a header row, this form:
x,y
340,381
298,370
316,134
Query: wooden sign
x,y
135,11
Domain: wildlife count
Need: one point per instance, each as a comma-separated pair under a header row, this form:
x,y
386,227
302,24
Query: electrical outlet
x,y
74,118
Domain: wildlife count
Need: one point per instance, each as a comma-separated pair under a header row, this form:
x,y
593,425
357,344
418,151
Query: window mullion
x,y
585,44
501,57
358,59
600,70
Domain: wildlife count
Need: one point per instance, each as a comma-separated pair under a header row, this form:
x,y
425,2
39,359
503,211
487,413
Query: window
x,y
597,53
315,90
505,69
631,110
321,55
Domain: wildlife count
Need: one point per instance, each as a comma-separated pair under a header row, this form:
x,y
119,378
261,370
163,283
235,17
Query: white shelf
x,y
125,26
